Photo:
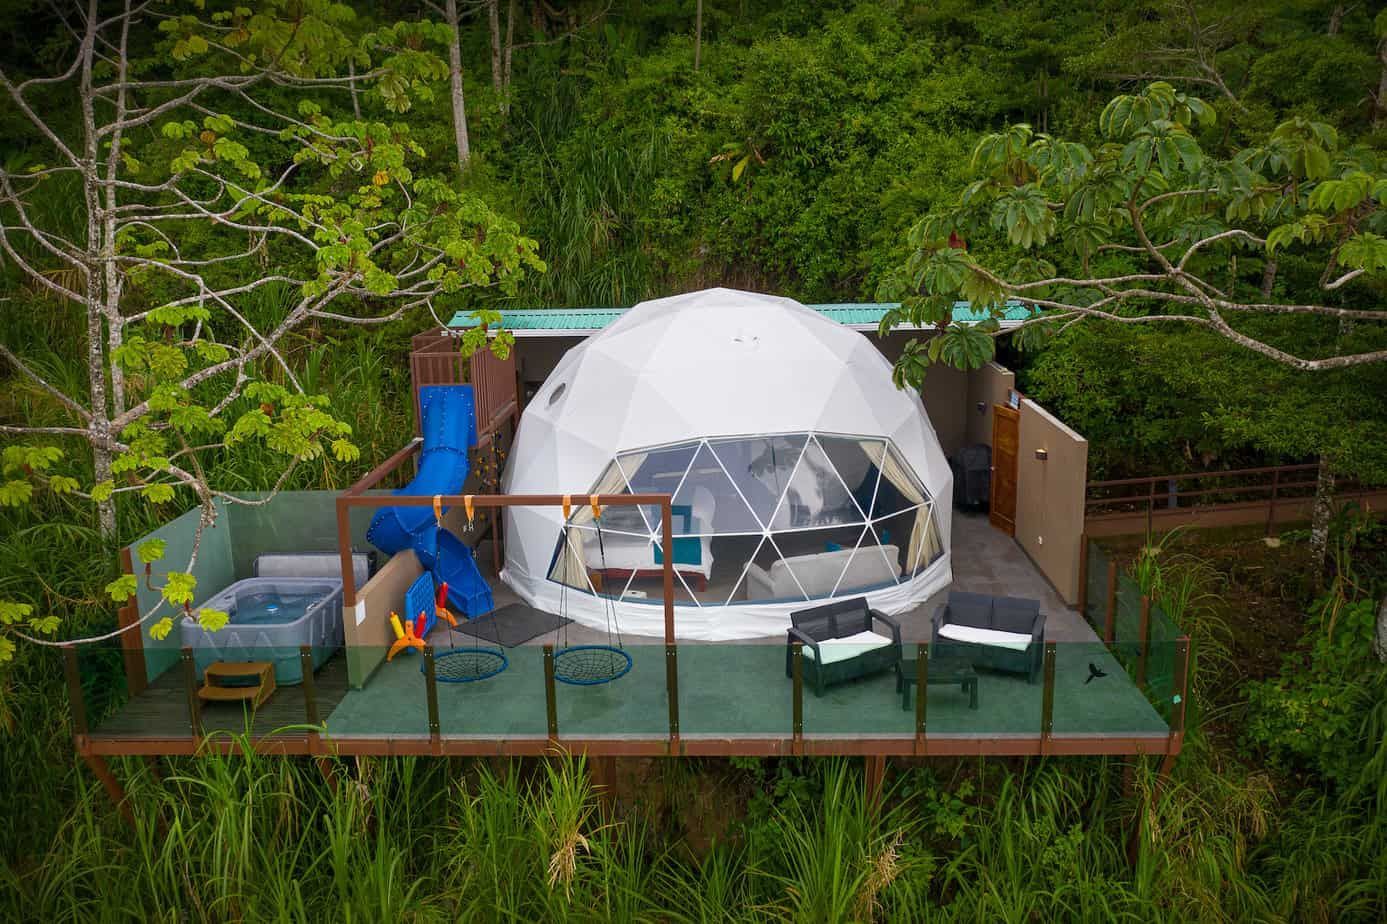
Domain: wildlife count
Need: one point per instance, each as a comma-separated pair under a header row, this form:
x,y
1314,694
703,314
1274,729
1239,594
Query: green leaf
x,y
178,588
12,612
102,491
157,493
122,588
45,625
161,629
62,484
6,650
151,550
345,450
212,620
15,493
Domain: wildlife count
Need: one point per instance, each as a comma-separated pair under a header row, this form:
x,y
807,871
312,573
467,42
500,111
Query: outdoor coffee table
x,y
943,669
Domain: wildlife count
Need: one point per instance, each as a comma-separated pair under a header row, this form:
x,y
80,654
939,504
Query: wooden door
x,y
1005,439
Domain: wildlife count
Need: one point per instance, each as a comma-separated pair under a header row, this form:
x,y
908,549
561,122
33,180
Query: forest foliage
x,y
603,168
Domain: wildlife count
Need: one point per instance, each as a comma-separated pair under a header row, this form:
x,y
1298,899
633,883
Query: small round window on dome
x,y
556,394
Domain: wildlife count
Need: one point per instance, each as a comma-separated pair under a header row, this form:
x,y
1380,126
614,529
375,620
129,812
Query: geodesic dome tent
x,y
799,472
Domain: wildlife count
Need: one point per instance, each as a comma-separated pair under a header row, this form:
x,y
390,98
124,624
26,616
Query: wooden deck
x,y
161,710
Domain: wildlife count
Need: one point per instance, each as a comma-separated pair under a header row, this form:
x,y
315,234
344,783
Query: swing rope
x,y
466,663
590,665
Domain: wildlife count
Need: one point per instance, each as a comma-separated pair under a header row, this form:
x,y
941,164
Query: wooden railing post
x,y
1271,500
551,700
1110,621
431,697
1144,632
1047,699
74,690
1150,503
797,697
921,696
185,657
672,693
1083,576
310,697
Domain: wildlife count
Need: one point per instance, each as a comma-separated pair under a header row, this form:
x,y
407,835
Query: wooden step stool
x,y
215,689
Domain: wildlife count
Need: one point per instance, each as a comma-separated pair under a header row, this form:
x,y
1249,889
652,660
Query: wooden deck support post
x,y
431,694
797,698
602,772
1110,621
102,771
874,775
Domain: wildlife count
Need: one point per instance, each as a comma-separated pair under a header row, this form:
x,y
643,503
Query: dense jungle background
x,y
635,148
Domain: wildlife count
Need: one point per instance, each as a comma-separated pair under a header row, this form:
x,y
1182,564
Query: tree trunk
x,y
493,19
507,57
698,35
1320,514
1380,636
1380,104
455,85
1268,278
1336,19
356,94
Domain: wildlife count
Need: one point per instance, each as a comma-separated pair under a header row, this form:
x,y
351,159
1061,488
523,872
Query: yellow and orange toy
x,y
405,636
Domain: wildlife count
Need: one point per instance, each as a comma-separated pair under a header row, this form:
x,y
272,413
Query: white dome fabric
x,y
696,368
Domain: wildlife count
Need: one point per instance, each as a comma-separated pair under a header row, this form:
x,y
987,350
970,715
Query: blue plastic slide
x,y
450,429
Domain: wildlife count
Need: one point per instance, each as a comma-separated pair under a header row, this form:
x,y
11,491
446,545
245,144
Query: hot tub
x,y
271,617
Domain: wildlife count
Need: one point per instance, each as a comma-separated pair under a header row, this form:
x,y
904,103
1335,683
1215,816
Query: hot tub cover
x,y
798,471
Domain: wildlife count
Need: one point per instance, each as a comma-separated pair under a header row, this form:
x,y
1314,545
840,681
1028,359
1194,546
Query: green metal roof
x,y
538,322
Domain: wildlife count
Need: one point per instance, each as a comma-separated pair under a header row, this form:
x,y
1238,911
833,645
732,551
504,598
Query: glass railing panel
x,y
611,690
487,689
737,689
1094,694
391,701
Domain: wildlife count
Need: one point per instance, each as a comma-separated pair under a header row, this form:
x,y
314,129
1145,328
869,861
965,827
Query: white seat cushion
x,y
992,637
850,646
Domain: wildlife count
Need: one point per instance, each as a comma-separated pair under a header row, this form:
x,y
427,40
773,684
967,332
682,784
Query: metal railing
x,y
435,359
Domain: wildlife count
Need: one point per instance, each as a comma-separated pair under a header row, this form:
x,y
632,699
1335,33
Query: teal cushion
x,y
833,547
688,550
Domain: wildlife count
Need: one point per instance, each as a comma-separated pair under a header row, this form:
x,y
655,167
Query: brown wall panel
x,y
1050,497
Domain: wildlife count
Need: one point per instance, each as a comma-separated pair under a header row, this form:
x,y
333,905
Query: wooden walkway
x,y
161,710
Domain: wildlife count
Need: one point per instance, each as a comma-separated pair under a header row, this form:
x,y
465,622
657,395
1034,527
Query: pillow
x,y
967,609
833,546
992,638
1010,614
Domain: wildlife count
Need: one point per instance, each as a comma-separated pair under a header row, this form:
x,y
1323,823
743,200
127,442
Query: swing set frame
x,y
355,496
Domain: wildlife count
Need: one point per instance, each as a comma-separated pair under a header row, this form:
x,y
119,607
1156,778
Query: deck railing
x,y
692,699
435,359
1269,495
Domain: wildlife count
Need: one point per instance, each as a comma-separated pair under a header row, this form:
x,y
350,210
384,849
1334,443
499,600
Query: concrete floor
x,y
984,561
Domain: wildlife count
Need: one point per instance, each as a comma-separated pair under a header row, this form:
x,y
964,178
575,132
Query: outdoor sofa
x,y
840,643
1003,633
818,574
